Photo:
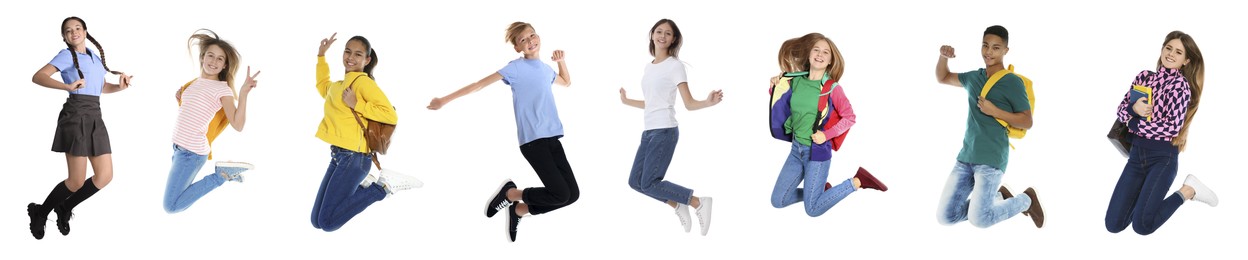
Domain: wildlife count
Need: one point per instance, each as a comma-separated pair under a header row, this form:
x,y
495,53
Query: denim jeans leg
x,y
320,193
954,199
1122,202
986,207
816,199
180,193
1154,208
343,197
662,144
785,192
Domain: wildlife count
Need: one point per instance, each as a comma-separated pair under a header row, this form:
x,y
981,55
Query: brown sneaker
x,y
1036,212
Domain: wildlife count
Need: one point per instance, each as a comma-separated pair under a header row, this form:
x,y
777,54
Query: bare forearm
x,y
464,91
564,74
48,82
110,88
634,103
240,114
697,104
942,69
1020,120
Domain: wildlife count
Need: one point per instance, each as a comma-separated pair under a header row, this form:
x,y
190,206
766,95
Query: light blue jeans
x,y
180,193
971,194
650,166
798,168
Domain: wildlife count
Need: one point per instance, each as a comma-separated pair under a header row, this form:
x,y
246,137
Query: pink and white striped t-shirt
x,y
200,101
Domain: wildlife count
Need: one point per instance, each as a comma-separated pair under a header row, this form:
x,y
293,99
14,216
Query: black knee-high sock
x,y
88,189
56,197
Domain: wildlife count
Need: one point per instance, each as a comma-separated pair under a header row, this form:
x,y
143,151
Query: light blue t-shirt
x,y
92,68
534,104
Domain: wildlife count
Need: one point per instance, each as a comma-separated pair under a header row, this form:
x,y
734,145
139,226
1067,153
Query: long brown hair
x,y
89,38
1194,73
795,55
203,38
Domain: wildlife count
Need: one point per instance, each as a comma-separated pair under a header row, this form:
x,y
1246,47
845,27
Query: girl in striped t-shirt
x,y
206,107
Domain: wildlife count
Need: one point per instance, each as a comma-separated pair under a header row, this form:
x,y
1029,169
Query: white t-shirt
x,y
658,85
200,102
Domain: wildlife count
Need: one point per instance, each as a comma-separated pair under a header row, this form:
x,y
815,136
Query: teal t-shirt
x,y
804,105
986,141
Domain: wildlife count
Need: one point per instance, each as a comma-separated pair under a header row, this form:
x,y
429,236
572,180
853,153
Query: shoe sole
x,y
236,165
489,203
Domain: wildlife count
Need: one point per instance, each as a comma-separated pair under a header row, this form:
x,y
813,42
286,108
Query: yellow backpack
x,y
1013,132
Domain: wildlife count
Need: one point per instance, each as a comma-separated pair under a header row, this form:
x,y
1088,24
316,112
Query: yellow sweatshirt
x,y
339,127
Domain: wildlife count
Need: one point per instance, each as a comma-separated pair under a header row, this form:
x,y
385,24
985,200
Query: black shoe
x,y
513,221
36,222
499,201
62,219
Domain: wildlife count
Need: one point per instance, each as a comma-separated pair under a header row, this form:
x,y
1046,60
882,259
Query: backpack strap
x,y
363,126
992,81
826,101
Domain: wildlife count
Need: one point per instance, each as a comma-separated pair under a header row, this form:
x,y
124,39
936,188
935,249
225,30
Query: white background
x,y
1082,56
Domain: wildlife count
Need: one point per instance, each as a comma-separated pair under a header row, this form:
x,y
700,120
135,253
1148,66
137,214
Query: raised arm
x,y
237,116
322,67
564,78
437,103
942,68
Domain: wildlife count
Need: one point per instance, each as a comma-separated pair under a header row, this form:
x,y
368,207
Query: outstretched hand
x,y
436,104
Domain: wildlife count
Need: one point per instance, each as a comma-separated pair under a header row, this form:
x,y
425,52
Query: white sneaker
x,y
682,212
233,170
704,214
1203,193
393,181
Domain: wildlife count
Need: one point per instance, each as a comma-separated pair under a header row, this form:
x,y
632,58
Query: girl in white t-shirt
x,y
206,107
663,77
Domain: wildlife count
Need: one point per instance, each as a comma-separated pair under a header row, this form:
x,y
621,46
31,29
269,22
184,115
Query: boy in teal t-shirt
x,y
985,147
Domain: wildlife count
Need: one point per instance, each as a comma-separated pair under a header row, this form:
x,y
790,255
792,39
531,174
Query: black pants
x,y
548,160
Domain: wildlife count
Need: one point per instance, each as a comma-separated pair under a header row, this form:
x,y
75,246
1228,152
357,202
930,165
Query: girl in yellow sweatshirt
x,y
347,189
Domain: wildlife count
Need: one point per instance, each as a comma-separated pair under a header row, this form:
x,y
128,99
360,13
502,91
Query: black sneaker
x,y
62,219
36,222
513,221
499,201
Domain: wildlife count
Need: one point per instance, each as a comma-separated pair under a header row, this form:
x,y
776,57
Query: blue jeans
x,y
650,166
341,197
180,193
971,194
1140,198
813,174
